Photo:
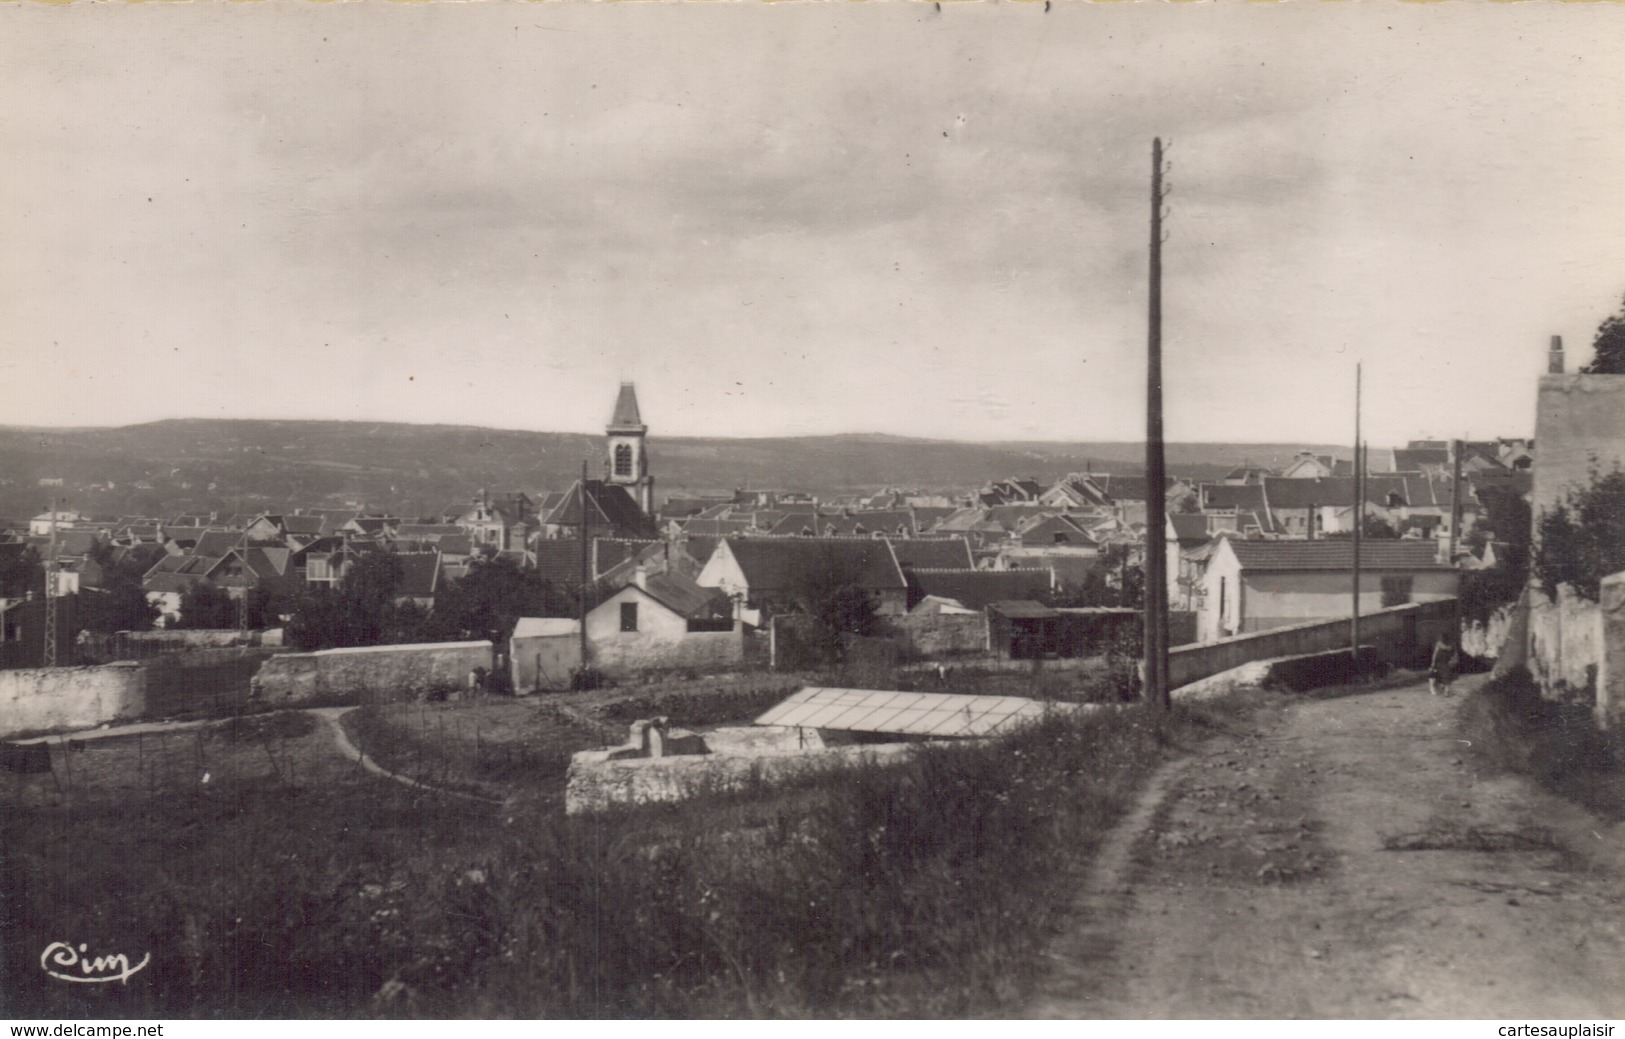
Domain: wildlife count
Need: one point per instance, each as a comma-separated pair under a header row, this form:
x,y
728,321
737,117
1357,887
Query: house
x,y
932,552
1054,529
1075,491
499,526
40,526
767,573
1310,466
420,578
1184,532
974,589
1260,585
662,621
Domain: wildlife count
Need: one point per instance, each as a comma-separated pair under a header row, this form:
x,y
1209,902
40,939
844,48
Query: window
x,y
623,459
629,616
1060,537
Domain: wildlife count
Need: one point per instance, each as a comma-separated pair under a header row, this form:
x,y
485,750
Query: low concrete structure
x,y
543,653
61,699
370,674
660,764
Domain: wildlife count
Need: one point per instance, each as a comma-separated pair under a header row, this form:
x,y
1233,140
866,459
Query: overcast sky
x,y
806,218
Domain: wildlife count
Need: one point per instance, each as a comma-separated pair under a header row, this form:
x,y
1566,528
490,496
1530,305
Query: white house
x,y
1259,585
661,621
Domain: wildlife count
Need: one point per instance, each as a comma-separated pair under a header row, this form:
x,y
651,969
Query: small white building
x,y
1258,585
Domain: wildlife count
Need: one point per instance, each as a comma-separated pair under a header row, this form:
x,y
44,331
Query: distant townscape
x,y
1255,548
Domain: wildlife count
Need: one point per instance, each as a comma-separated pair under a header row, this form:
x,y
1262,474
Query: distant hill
x,y
230,465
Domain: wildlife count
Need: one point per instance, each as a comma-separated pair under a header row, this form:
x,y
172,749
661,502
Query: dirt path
x,y
1345,858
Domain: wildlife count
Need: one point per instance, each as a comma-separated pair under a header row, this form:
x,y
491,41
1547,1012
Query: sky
x,y
806,218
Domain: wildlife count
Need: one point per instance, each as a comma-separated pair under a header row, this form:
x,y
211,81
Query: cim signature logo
x,y
97,969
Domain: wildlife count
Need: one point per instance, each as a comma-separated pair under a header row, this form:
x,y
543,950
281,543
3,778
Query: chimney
x,y
640,577
1554,357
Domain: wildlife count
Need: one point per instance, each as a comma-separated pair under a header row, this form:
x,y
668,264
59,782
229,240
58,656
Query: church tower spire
x,y
628,460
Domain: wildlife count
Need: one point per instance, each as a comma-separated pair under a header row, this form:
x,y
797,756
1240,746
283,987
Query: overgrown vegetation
x,y
1511,726
1582,540
1608,348
875,891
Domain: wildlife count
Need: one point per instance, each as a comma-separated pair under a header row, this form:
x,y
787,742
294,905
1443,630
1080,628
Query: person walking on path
x,y
1443,668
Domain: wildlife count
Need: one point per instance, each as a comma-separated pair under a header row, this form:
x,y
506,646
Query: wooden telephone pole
x,y
51,620
1156,505
1359,523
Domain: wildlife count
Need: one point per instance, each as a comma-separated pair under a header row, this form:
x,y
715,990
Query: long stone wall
x,y
597,783
370,674
1400,634
61,699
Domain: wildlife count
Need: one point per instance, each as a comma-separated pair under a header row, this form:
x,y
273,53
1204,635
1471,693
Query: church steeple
x,y
628,462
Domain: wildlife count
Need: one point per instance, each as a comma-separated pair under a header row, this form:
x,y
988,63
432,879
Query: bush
x,y
1582,540
1513,727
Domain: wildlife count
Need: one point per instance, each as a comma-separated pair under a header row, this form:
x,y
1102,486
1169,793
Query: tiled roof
x,y
1407,460
1337,554
1232,496
684,597
935,553
1189,526
1021,609
420,575
611,510
216,543
977,588
773,565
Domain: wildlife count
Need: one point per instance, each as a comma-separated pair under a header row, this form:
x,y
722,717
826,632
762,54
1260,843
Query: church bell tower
x,y
628,461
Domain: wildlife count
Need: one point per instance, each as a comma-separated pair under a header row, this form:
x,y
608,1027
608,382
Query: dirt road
x,y
1347,858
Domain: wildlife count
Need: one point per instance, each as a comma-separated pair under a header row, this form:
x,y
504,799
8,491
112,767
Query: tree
x,y
207,605
21,574
1608,356
1582,540
491,598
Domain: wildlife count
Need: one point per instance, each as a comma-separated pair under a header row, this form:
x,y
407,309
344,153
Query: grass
x,y
924,889
1512,727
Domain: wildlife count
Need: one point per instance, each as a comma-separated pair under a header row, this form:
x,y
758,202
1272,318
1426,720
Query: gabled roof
x,y
682,596
715,527
427,531
420,575
626,417
610,510
1188,526
933,553
1411,459
976,588
772,565
1232,496
215,543
1336,554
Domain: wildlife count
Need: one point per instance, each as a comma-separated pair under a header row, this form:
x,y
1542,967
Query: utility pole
x,y
50,595
1455,523
1359,523
1156,505
585,528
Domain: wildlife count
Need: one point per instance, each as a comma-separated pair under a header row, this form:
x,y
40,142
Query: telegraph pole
x,y
585,527
1359,522
1156,505
50,595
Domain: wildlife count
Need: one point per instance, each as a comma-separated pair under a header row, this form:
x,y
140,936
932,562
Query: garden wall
x,y
369,674
61,699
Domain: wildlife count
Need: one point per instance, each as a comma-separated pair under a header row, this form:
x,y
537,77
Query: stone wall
x,y
1611,675
940,635
1485,640
61,699
370,674
1565,643
596,783
1401,635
